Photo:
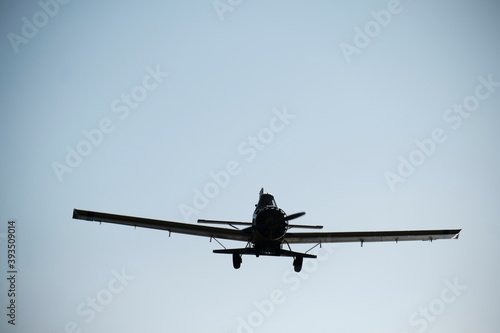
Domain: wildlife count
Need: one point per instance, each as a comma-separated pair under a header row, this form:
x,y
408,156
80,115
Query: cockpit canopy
x,y
266,200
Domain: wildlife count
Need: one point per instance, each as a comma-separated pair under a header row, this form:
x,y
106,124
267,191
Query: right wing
x,y
370,236
176,227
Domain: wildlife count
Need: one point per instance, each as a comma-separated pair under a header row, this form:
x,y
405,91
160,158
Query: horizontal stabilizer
x,y
267,252
224,222
305,226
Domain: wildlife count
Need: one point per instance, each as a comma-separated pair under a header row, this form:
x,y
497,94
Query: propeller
x,y
294,216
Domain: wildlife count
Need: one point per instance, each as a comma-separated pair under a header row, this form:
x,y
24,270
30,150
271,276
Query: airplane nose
x,y
271,223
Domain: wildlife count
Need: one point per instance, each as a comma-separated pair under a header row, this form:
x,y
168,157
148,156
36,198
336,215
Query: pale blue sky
x,y
347,121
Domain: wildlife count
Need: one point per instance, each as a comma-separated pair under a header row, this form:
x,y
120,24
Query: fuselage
x,y
269,223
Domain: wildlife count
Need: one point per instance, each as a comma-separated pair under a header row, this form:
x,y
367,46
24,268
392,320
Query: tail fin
x,y
261,192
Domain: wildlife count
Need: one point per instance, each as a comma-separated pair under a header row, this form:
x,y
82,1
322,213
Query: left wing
x,y
176,227
370,236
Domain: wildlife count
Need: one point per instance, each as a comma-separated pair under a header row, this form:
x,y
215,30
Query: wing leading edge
x,y
371,236
175,227
290,237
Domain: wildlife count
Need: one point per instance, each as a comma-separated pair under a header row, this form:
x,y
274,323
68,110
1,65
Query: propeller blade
x,y
294,216
305,226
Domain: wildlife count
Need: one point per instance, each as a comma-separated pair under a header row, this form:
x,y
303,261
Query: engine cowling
x,y
271,223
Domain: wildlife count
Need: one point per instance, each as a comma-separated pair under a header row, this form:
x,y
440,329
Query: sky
x,y
381,115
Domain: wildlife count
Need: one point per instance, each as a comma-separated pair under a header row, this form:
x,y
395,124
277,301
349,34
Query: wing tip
x,y
83,215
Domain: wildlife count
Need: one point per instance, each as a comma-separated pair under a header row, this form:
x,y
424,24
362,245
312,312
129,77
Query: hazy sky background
x,y
353,118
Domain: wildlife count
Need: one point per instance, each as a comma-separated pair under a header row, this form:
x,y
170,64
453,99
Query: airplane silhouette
x,y
268,232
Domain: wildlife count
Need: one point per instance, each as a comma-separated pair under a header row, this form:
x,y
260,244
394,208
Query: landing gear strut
x,y
236,260
297,263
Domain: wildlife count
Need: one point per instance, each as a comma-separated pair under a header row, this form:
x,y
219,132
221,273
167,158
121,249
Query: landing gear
x,y
297,263
236,260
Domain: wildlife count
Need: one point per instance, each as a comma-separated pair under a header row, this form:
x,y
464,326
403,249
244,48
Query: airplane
x,y
268,232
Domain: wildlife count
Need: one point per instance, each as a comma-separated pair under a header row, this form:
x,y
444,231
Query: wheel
x,y
297,263
236,260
